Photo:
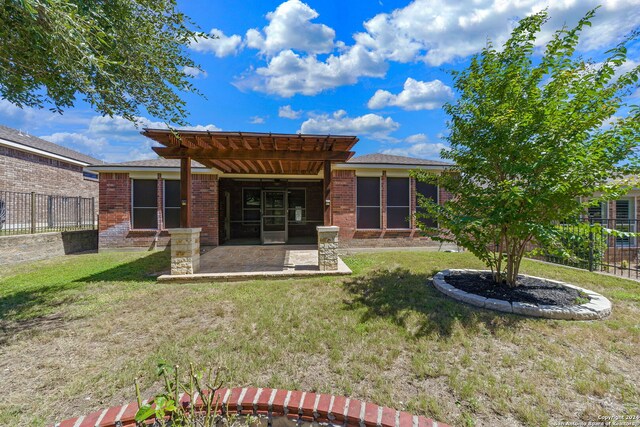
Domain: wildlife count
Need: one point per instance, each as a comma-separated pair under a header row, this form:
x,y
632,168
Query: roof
x,y
151,163
388,159
22,138
254,153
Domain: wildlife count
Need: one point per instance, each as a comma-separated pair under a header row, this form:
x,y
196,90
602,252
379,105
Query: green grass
x,y
75,331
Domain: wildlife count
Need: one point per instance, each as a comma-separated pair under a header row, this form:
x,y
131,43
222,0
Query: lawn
x,y
75,331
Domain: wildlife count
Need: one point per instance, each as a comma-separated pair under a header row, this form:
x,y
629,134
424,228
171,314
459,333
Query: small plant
x,y
624,264
168,410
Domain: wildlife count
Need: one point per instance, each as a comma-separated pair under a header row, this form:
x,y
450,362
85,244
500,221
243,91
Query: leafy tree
x,y
533,138
119,55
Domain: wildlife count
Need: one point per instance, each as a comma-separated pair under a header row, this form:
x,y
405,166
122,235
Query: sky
x,y
377,69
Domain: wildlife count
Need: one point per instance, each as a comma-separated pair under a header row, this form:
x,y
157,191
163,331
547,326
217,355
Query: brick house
x,y
248,188
31,164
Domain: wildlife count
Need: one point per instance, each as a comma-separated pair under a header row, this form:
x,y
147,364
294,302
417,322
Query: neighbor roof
x,y
149,163
388,159
22,138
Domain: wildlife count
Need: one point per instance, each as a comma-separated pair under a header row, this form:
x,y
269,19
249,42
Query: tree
x,y
533,139
119,55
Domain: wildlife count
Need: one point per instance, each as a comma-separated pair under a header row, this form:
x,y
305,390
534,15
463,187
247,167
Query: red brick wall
x,y
343,202
26,172
204,194
115,213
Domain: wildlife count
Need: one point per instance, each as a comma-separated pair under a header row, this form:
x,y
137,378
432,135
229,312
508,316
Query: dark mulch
x,y
529,290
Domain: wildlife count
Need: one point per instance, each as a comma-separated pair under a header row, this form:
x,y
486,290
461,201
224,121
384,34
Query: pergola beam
x,y
242,154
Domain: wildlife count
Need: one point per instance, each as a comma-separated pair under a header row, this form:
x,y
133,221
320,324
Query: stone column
x,y
185,250
328,247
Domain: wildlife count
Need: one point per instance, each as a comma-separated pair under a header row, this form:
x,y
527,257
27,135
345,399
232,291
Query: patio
x,y
232,263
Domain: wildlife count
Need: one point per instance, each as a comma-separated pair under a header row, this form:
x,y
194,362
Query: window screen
x,y
398,204
171,204
428,191
368,202
145,204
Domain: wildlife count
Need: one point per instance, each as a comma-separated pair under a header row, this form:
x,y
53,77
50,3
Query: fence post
x,y
590,247
93,213
78,213
33,212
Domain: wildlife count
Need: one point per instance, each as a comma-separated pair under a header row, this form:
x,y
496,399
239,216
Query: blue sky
x,y
376,69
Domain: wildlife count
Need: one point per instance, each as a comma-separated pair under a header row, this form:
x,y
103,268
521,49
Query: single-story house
x,y
31,164
261,188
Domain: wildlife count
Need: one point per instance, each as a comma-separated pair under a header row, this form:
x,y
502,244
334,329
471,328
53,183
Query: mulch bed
x,y
529,290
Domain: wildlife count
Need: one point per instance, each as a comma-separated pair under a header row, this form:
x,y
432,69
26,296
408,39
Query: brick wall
x,y
26,172
343,202
115,213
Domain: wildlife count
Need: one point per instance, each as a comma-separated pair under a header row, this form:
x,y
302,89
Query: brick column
x,y
328,247
185,250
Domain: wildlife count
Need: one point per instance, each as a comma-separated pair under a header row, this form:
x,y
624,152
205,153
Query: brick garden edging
x,y
273,403
598,306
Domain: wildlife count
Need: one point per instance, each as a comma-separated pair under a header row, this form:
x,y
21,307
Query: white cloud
x,y
290,27
440,31
195,72
94,146
416,95
418,146
289,113
218,44
339,123
256,120
288,73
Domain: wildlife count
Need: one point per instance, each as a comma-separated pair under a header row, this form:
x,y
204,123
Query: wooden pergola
x,y
251,153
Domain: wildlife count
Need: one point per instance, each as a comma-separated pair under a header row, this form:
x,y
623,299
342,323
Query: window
x,y
428,191
145,204
368,202
90,175
398,203
625,221
172,204
297,205
251,205
598,212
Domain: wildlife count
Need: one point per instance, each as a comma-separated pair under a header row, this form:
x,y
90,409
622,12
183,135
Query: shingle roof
x,y
154,163
25,139
388,159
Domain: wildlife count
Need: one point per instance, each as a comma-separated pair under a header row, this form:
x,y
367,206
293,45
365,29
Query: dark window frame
x,y
407,206
378,207
134,207
164,203
437,199
292,209
246,221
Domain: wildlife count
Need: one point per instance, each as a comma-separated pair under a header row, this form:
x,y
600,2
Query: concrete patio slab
x,y
237,263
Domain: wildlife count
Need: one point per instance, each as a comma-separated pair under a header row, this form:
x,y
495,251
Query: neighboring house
x,y
249,188
31,164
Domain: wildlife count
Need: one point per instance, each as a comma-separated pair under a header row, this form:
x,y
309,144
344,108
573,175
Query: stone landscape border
x,y
298,406
598,306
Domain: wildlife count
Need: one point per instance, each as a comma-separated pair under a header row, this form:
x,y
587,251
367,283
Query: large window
x,y
398,203
625,220
171,204
251,205
428,191
145,204
297,205
368,202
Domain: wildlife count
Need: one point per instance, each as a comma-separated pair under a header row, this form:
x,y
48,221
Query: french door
x,y
274,217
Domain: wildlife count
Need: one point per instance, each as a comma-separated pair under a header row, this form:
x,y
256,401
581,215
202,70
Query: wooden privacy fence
x,y
25,213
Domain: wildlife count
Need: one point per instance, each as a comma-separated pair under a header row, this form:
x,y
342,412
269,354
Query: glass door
x,y
274,217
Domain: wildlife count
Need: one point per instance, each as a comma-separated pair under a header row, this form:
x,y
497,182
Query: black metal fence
x,y
608,245
25,213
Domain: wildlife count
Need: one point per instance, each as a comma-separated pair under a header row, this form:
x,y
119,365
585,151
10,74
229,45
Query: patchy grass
x,y
75,331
